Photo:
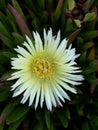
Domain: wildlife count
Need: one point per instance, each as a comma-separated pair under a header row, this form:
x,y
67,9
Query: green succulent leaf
x,y
52,125
92,79
8,109
30,4
17,113
48,119
73,36
4,94
5,24
78,23
67,113
88,4
95,3
6,55
20,39
71,4
62,118
88,45
7,41
21,23
58,9
89,17
41,4
38,125
1,126
94,123
89,35
2,4
15,125
4,31
18,8
85,125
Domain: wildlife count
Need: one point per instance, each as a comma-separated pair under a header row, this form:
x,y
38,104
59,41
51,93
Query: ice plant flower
x,y
45,70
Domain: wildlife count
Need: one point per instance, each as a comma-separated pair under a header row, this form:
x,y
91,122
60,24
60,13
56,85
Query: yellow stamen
x,y
43,68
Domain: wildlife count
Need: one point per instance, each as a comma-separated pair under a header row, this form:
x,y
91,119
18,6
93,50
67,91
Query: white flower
x,y
45,70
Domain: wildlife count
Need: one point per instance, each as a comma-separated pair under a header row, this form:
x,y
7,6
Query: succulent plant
x,y
78,22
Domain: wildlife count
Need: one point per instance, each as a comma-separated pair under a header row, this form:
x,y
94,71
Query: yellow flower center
x,y
43,68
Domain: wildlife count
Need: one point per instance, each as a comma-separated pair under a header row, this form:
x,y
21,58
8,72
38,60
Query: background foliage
x,y
78,21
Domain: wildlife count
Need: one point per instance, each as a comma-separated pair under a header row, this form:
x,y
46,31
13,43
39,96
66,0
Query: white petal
x,y
35,88
61,47
55,90
19,90
64,94
59,91
56,40
74,77
53,100
49,37
48,98
58,99
66,86
42,96
23,52
30,43
26,95
64,79
38,42
31,50
37,98
32,95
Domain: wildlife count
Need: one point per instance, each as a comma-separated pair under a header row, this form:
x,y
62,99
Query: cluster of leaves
x,y
78,21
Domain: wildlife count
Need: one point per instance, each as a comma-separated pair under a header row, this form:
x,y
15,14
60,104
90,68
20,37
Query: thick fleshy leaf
x,y
73,36
21,23
71,4
18,38
4,31
7,41
89,34
17,113
4,94
18,8
67,113
62,118
41,4
7,110
1,126
47,119
58,9
85,125
89,17
16,124
2,4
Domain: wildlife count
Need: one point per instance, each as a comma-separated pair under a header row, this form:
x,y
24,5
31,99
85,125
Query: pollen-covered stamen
x,y
43,68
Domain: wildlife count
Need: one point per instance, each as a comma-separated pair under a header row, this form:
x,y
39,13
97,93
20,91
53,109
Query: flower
x,y
45,70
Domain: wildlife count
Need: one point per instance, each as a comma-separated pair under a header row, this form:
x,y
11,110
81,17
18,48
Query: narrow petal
x,y
37,98
32,51
38,42
66,86
23,52
30,43
26,95
47,97
61,47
